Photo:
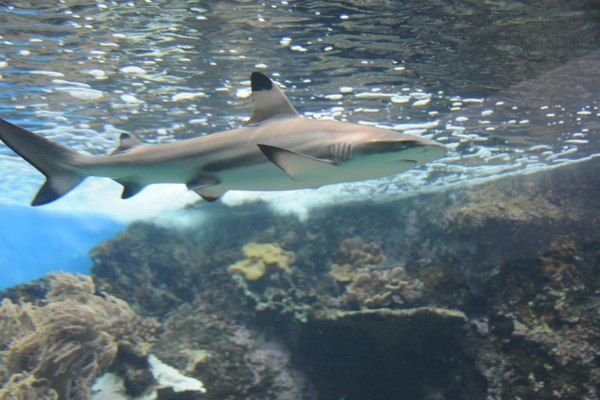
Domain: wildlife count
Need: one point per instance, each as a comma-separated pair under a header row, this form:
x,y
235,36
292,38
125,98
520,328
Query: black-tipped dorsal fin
x,y
269,100
127,141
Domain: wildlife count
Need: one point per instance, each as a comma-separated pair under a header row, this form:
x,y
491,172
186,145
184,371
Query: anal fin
x,y
130,188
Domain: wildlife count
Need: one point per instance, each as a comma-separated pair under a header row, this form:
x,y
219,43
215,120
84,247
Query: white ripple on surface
x,y
53,74
81,93
185,96
133,70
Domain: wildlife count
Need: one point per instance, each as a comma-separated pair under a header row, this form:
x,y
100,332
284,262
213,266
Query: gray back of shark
x,y
277,150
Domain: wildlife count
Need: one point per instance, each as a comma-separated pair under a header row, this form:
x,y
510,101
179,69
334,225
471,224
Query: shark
x,y
277,149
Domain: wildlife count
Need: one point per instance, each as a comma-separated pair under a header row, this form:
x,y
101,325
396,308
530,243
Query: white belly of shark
x,y
277,150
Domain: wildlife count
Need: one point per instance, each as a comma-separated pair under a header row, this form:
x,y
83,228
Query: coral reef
x,y
152,282
541,332
259,257
211,341
296,292
489,291
63,344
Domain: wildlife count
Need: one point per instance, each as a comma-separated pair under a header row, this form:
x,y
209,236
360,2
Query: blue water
x,y
36,241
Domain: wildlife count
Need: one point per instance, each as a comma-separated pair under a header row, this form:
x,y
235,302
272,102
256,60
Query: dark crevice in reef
x,y
412,359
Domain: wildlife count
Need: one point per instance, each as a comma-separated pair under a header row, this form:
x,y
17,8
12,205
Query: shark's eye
x,y
406,144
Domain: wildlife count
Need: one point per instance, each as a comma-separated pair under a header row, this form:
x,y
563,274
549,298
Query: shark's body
x,y
277,150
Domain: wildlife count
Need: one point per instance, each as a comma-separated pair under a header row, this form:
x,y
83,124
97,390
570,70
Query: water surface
x,y
509,86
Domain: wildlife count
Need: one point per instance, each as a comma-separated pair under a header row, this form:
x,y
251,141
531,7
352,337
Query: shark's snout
x,y
405,148
429,150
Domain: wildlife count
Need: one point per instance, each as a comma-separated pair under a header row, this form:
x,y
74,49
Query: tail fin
x,y
56,162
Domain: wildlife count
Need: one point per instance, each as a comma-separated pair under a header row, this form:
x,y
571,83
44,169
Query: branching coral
x,y
259,256
66,342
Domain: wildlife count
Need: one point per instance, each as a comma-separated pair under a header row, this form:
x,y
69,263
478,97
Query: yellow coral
x,y
259,256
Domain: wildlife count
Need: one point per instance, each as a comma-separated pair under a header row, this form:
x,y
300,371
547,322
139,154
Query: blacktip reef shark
x,y
277,149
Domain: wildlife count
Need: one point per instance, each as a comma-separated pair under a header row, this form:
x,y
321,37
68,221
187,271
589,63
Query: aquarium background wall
x,y
36,242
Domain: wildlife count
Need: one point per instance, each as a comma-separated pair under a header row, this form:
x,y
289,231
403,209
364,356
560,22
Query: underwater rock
x,y
420,318
151,267
539,337
259,257
67,340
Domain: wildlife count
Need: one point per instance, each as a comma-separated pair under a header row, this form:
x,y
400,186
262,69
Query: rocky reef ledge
x,y
488,291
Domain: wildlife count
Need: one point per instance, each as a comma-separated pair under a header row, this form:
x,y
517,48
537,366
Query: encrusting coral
x,y
367,285
382,288
355,255
259,256
57,348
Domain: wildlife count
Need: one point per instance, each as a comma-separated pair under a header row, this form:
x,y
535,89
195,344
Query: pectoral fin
x,y
297,166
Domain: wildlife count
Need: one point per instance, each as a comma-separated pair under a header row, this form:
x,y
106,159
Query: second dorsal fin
x,y
269,100
127,142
